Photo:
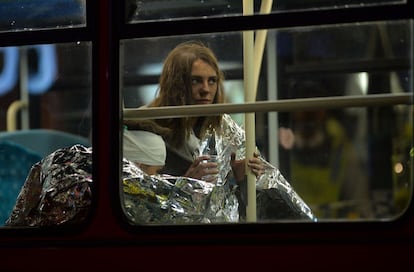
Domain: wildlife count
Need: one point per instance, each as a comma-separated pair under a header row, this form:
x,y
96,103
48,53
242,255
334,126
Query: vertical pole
x,y
259,44
24,90
273,122
249,96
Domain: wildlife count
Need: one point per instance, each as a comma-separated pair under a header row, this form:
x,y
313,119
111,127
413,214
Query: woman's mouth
x,y
203,101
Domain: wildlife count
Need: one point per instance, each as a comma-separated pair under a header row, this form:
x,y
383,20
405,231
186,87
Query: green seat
x,y
15,164
43,141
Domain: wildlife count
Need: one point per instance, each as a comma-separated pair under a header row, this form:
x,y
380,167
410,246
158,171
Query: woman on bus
x,y
191,76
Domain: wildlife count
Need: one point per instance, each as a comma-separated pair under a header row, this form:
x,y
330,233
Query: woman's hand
x,y
256,165
238,166
203,169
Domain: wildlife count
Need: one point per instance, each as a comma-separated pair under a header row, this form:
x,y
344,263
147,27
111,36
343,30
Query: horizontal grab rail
x,y
283,105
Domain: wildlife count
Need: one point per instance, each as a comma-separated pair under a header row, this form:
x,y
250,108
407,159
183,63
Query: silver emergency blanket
x,y
57,190
164,199
276,199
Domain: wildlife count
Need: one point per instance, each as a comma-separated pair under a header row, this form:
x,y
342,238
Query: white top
x,y
144,147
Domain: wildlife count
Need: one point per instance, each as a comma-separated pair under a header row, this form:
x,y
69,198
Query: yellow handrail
x,y
12,111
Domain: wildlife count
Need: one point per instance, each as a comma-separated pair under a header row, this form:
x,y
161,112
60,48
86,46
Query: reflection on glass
x,y
348,163
39,14
149,10
45,103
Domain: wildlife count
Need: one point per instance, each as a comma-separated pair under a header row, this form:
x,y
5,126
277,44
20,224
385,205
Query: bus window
x,y
41,14
45,105
163,10
326,156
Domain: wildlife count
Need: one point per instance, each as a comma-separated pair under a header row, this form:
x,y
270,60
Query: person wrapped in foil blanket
x,y
58,190
166,199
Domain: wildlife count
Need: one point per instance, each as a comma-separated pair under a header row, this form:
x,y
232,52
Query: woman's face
x,y
203,83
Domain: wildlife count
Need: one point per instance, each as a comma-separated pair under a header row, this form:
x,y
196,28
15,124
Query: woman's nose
x,y
205,86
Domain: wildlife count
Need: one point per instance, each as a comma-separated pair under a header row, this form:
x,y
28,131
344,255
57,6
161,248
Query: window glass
x,y
148,10
41,14
324,161
45,111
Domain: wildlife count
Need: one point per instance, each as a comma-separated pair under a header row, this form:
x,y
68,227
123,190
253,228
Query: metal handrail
x,y
283,105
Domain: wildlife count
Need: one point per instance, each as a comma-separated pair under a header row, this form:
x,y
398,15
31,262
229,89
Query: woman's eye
x,y
212,81
195,81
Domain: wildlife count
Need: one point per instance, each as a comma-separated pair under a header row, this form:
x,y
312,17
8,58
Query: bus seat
x,y
15,164
44,141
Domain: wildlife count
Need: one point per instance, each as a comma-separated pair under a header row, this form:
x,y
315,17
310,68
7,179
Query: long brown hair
x,y
147,125
175,89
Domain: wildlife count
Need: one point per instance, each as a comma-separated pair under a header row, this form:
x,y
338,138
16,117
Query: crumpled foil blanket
x,y
57,190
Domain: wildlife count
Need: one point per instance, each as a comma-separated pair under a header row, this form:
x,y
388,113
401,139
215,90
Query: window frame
x,y
106,27
290,19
